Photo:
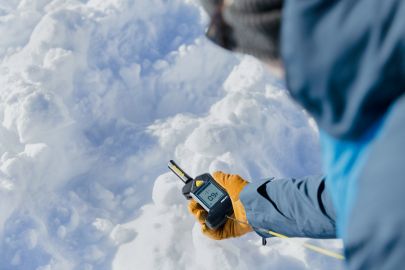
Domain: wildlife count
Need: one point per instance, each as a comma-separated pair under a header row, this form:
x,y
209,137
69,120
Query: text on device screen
x,y
210,195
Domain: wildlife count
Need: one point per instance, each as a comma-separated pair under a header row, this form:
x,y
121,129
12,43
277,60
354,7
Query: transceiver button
x,y
199,183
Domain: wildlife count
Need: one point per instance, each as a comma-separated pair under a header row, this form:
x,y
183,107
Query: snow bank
x,y
96,96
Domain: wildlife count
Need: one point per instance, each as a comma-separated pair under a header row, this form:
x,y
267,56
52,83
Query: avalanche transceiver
x,y
208,193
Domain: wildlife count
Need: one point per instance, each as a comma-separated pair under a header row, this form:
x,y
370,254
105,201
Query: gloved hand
x,y
233,184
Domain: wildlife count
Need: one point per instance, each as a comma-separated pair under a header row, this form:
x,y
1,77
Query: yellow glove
x,y
233,184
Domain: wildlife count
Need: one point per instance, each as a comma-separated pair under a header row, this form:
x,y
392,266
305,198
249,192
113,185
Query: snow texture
x,y
96,96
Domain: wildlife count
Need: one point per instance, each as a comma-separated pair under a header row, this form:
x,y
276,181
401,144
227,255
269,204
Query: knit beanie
x,y
247,26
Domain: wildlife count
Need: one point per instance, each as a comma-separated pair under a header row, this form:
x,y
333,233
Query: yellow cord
x,y
314,248
324,251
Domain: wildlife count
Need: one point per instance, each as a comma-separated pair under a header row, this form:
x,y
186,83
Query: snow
x,y
96,96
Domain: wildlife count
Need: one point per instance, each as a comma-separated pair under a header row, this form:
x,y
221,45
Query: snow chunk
x,y
121,235
166,190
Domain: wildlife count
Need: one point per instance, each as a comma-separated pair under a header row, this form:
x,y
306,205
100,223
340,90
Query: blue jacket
x,y
345,63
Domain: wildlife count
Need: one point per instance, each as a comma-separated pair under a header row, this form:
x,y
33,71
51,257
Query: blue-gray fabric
x,y
294,207
345,63
344,161
344,60
375,233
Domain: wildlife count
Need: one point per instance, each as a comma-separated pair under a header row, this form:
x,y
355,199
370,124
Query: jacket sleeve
x,y
294,207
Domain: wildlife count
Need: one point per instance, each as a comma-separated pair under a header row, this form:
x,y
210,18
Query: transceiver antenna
x,y
179,172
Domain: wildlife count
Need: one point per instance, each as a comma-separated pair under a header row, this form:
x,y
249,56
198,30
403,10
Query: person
x,y
344,62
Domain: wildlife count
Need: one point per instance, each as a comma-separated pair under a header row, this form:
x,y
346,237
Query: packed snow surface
x,y
96,96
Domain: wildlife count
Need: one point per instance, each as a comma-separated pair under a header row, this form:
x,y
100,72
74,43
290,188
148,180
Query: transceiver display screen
x,y
210,195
